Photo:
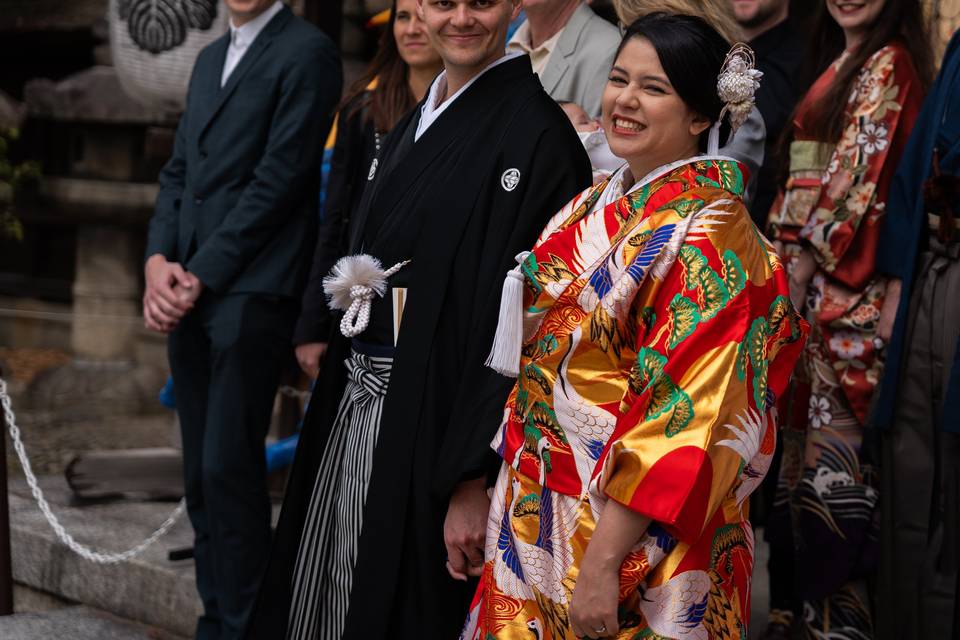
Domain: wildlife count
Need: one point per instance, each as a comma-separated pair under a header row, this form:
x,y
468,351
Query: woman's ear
x,y
698,125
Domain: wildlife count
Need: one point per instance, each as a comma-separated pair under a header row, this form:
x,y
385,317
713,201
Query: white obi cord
x,y
351,286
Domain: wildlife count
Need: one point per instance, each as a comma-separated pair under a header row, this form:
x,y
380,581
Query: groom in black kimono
x,y
466,181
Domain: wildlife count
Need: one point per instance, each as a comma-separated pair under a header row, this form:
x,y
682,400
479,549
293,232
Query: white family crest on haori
x,y
351,286
510,179
519,566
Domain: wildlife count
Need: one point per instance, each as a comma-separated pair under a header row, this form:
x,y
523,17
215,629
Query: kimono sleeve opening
x,y
667,465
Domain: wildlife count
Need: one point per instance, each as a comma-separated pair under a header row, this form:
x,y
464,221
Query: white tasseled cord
x,y
504,356
351,287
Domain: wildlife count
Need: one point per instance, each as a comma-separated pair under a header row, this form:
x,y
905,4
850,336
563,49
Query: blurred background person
x,y
747,145
847,136
918,409
780,48
395,81
570,47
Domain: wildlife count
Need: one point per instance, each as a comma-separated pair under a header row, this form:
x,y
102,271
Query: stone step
x,y
76,623
149,589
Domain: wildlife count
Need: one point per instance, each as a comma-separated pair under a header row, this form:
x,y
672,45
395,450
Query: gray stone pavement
x,y
76,623
149,589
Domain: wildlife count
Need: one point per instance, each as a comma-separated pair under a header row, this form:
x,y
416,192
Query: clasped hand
x,y
465,528
169,295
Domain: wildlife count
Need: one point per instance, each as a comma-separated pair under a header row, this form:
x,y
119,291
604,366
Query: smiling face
x,y
411,35
646,122
468,34
855,17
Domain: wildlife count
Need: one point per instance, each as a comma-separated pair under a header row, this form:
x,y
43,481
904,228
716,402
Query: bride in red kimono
x,y
657,334
848,134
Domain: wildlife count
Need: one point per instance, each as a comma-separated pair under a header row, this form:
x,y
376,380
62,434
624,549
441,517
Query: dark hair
x,y
392,98
898,20
691,53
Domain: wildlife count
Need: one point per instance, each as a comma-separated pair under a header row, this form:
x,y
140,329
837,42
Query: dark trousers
x,y
226,357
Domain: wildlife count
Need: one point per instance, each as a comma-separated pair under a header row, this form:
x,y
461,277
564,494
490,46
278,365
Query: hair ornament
x,y
737,84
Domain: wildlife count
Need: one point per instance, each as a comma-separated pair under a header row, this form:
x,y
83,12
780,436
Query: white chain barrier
x,y
98,557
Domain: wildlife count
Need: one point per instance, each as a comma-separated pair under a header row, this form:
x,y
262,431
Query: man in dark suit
x,y
228,250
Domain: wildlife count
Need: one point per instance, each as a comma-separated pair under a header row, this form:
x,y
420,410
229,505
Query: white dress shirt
x,y
243,36
437,102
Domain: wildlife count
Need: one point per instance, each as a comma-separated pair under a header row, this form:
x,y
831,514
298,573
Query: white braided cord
x,y
356,319
98,557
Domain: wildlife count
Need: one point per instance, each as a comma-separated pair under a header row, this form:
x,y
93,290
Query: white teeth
x,y
626,124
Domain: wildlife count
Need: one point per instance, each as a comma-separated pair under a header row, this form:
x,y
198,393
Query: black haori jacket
x,y
443,405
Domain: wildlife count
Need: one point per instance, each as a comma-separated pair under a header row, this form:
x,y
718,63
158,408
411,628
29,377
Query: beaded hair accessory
x,y
737,83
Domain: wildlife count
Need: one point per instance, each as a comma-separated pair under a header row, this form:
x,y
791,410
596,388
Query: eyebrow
x,y
660,79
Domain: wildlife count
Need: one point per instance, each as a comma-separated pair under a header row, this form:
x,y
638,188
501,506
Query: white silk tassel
x,y
504,356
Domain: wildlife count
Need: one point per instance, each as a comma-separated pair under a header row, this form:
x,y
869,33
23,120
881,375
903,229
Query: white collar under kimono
x,y
433,108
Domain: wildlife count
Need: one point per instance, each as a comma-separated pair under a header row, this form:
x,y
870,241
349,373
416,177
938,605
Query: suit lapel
x,y
557,67
249,59
208,84
559,63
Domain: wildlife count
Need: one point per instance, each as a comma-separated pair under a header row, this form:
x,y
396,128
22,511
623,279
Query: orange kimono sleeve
x,y
695,416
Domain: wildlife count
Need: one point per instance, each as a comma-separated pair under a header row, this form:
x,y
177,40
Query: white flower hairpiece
x,y
737,84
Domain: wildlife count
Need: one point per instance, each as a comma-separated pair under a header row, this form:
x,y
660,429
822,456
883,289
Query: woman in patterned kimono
x,y
657,333
848,134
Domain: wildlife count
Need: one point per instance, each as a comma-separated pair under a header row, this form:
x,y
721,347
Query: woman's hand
x,y
593,610
888,312
596,596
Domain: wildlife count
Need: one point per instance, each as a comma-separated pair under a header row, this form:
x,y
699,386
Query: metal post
x,y
6,566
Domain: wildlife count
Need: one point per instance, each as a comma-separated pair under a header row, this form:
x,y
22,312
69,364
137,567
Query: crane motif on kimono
x,y
539,565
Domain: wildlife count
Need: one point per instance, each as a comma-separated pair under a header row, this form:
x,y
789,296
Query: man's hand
x,y
163,308
189,292
465,528
309,356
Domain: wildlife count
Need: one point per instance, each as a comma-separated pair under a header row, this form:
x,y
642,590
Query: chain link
x,y
98,557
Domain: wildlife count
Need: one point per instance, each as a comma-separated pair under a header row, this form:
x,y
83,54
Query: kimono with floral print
x,y
832,205
659,334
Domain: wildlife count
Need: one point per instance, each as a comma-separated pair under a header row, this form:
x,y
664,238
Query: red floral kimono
x,y
832,205
659,334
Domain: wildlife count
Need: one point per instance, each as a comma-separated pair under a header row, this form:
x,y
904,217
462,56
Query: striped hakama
x,y
328,547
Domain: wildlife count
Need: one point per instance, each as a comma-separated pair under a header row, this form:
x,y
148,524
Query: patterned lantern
x,y
155,43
